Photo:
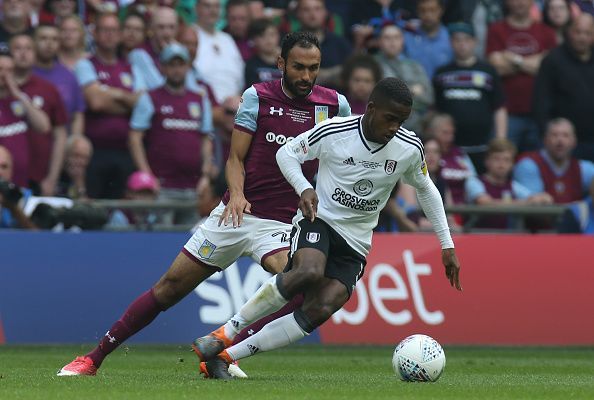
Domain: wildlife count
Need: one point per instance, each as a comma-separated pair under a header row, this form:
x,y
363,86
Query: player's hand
x,y
234,210
452,267
309,204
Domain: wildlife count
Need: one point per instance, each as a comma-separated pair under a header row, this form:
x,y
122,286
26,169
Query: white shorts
x,y
220,246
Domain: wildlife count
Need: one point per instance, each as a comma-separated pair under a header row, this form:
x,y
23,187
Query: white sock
x,y
276,334
265,301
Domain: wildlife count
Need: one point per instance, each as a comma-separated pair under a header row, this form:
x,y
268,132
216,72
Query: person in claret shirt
x,y
515,47
47,151
48,67
110,87
496,187
18,116
254,217
171,132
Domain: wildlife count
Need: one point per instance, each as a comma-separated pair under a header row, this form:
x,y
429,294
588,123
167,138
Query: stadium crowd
x,y
503,97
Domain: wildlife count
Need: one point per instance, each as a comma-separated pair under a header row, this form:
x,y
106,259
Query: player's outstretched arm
x,y
432,205
235,174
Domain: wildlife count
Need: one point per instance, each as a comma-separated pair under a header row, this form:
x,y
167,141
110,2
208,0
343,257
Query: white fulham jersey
x,y
356,176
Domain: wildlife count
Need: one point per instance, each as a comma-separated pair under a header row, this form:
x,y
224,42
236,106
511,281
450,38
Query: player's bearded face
x,y
300,70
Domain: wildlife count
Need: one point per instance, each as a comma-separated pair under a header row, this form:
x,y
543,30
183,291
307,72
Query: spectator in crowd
x,y
429,43
312,15
557,14
164,28
393,217
48,67
469,89
224,130
218,59
368,17
564,84
238,21
47,150
585,5
579,216
515,47
188,37
456,166
479,13
408,194
72,42
496,187
14,20
140,186
290,23
359,76
11,213
395,64
18,116
262,66
56,10
133,34
209,193
73,180
553,169
175,124
108,84
35,11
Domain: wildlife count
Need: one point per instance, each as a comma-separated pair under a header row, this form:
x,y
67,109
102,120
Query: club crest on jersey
x,y
126,79
278,111
194,109
312,237
321,114
206,249
363,187
390,166
17,108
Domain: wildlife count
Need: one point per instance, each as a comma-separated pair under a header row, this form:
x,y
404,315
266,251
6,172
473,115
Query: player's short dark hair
x,y
391,89
258,26
303,39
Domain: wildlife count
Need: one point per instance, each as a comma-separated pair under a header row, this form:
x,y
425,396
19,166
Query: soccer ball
x,y
418,358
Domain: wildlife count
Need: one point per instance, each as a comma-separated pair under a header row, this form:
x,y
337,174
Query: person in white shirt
x,y
218,59
360,160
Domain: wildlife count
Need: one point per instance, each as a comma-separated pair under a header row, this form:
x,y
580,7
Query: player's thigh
x,y
270,243
310,247
219,246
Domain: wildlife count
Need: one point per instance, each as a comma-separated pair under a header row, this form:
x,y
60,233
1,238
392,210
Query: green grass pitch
x,y
300,372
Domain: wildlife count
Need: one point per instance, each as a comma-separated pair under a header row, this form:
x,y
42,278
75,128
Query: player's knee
x,y
321,313
166,292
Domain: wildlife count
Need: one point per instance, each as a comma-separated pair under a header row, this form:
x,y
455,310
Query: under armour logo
x,y
112,339
250,332
253,349
273,110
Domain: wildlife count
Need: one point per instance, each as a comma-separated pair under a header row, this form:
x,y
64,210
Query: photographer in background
x,y
11,215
